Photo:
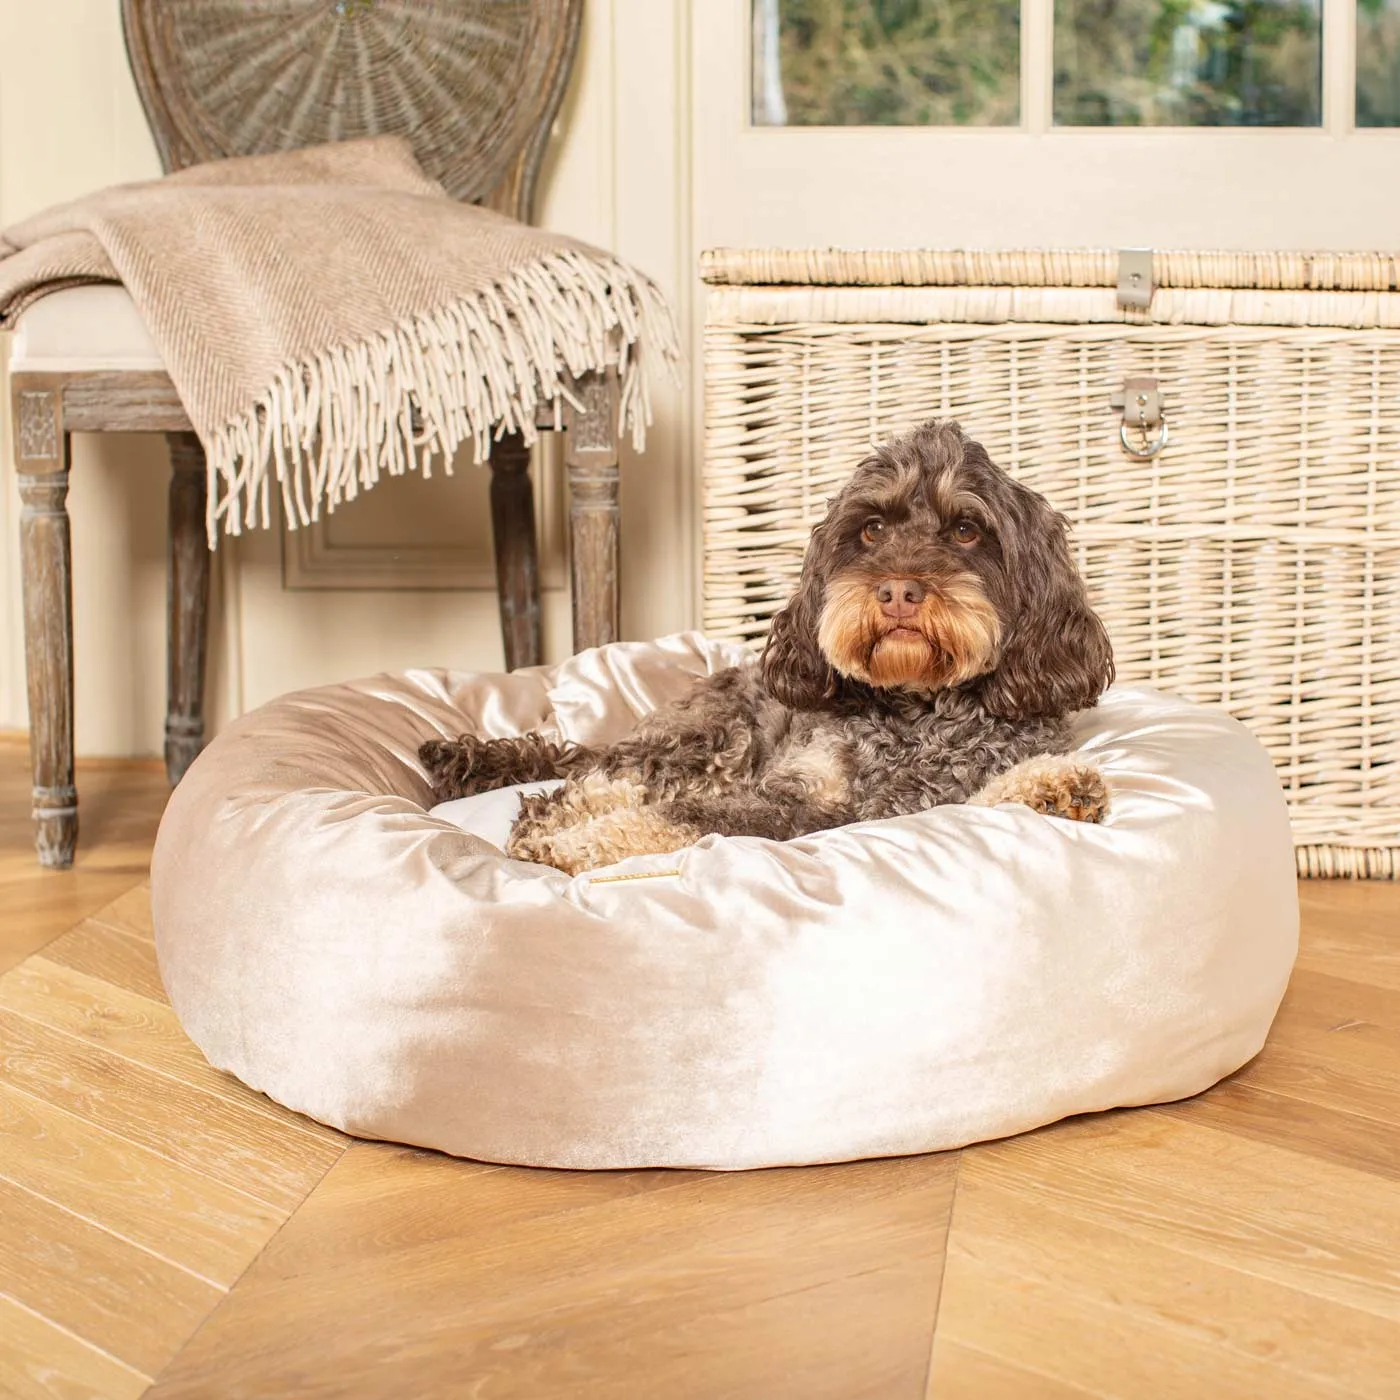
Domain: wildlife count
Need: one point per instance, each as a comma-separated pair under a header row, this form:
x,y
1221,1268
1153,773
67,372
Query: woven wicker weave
x,y
473,84
1253,564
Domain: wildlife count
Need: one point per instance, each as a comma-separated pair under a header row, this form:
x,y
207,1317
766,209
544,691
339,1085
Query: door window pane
x,y
886,62
1378,63
1188,62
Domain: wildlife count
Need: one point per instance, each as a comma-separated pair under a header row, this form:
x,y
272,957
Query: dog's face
x,y
934,569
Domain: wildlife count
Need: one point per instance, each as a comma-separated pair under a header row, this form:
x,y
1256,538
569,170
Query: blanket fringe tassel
x,y
329,428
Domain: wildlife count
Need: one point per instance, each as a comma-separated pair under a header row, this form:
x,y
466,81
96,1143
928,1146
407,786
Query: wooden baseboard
x,y
13,739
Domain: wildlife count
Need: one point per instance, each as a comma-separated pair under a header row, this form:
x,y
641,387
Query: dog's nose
x,y
900,597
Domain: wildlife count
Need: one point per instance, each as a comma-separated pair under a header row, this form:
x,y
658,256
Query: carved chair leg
x,y
591,456
46,555
517,551
188,603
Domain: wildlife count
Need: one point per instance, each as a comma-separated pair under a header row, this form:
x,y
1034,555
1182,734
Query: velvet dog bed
x,y
893,987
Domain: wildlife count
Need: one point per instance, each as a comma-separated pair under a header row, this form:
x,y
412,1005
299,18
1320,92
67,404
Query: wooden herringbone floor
x,y
161,1224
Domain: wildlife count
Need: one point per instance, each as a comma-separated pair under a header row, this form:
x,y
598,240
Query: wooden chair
x,y
475,86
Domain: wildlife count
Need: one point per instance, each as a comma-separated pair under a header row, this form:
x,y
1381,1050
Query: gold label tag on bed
x,y
639,875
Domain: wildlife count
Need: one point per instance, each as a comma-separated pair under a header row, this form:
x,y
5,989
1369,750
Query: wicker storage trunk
x,y
1253,562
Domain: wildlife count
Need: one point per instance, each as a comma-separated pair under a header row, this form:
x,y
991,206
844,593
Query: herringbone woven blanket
x,y
330,314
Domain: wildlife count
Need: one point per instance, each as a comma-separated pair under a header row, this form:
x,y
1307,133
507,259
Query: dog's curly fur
x,y
937,643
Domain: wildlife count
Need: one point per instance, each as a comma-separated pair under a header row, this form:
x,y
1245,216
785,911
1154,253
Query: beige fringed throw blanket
x,y
330,314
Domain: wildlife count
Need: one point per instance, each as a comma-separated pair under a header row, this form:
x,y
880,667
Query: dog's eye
x,y
873,529
965,532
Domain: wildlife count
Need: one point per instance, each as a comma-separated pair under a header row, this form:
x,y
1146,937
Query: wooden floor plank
x,y
130,912
1364,1082
1157,1283
40,1361
1325,1230
110,955
990,1307
1350,931
807,1282
132,1304
132,1027
183,1216
1328,1134
121,805
383,1200
31,916
959,1372
1325,1010
212,1135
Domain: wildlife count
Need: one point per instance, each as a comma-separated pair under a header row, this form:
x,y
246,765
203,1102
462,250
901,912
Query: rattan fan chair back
x,y
473,84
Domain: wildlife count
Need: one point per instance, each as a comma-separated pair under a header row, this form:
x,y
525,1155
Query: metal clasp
x,y
1140,402
1135,285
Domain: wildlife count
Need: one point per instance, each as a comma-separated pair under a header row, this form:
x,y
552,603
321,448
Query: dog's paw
x,y
467,765
1077,792
453,767
1054,785
592,822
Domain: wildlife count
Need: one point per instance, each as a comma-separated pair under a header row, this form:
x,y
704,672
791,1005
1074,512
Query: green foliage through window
x,y
886,62
1378,63
1188,62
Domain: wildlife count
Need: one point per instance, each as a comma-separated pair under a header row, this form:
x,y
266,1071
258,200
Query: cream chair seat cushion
x,y
893,987
83,329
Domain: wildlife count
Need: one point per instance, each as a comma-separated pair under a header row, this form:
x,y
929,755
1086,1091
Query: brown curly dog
x,y
937,645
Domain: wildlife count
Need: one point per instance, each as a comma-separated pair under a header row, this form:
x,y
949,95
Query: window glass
x,y
1188,62
886,62
1378,63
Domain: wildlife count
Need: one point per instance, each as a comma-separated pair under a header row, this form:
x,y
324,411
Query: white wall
x,y
616,175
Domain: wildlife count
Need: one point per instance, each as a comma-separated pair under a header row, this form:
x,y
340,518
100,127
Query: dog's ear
x,y
1056,657
792,667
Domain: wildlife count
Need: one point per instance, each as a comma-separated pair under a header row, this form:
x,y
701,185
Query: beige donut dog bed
x,y
894,987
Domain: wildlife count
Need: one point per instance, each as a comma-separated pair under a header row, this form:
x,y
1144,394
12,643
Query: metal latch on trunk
x,y
1135,285
1140,402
